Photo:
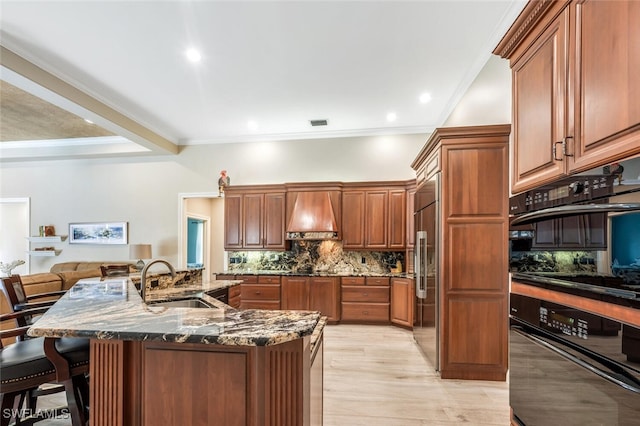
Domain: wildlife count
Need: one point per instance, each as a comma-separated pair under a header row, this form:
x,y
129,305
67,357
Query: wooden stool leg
x,y
74,403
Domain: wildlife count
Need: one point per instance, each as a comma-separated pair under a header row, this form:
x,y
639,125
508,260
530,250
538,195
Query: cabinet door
x,y
545,234
571,232
539,98
324,296
402,301
252,212
397,219
376,216
274,227
294,293
232,221
353,205
605,76
596,230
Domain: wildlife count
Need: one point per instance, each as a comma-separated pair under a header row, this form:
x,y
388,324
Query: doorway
x,y
195,242
15,218
201,232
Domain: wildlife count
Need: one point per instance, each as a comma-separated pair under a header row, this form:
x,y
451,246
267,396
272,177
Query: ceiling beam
x,y
122,124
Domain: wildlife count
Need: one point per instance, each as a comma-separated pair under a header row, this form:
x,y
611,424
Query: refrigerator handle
x,y
416,264
421,279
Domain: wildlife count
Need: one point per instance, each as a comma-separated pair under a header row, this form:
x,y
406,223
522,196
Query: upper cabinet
x,y
374,217
574,66
363,215
254,218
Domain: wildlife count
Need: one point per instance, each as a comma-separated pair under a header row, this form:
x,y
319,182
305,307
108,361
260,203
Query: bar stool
x,y
65,362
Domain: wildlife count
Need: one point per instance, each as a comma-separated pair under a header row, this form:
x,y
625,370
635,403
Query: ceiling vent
x,y
318,122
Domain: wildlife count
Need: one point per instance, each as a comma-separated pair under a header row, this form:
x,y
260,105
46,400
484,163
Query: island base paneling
x,y
151,383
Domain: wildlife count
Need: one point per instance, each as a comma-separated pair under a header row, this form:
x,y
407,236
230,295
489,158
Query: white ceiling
x,y
279,64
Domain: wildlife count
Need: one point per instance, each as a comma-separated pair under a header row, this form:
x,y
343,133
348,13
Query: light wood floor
x,y
376,376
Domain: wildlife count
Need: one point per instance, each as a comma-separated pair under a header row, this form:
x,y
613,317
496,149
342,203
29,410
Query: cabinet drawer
x,y
249,279
366,312
260,292
259,304
365,294
222,277
352,280
269,279
234,291
377,281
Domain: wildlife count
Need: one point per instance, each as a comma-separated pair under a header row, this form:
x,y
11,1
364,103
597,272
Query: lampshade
x,y
140,251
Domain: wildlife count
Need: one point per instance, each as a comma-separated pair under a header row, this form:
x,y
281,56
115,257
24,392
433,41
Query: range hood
x,y
312,217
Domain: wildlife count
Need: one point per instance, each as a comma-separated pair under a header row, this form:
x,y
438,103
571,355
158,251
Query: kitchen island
x,y
157,364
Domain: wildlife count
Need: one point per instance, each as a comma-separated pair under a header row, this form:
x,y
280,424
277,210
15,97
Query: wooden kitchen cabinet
x,y
260,292
374,217
365,299
314,294
254,218
573,232
470,252
353,214
234,296
575,87
402,301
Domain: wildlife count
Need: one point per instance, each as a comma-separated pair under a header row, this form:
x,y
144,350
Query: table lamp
x,y
140,251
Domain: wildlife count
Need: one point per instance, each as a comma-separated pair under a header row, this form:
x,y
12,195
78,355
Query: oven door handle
x,y
624,381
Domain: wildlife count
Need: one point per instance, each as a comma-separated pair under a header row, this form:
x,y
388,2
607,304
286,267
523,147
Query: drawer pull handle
x,y
365,312
258,292
365,294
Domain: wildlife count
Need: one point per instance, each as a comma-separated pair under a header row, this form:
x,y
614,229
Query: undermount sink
x,y
184,303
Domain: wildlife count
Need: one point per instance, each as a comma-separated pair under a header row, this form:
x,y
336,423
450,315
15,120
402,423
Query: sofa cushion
x,y
81,266
69,278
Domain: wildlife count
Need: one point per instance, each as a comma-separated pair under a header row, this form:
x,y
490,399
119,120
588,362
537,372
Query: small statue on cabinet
x,y
223,181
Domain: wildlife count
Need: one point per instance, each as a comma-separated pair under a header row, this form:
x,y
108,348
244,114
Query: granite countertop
x,y
111,308
316,274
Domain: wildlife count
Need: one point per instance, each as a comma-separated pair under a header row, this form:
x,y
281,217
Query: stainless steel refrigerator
x,y
426,327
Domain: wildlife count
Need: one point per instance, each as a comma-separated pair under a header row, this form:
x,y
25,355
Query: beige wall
x,y
146,192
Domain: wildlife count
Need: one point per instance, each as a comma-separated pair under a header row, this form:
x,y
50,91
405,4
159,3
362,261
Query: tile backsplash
x,y
554,261
316,256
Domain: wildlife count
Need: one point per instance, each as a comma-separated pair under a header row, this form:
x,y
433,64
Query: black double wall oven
x,y
575,336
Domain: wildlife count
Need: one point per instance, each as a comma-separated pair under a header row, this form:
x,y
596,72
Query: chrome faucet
x,y
143,275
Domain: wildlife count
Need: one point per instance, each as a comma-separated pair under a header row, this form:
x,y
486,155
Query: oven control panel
x,y
570,190
561,322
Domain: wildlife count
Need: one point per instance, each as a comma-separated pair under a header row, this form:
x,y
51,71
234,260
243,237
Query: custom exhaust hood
x,y
313,217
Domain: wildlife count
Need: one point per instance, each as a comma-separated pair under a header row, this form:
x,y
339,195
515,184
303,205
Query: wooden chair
x,y
18,300
114,270
25,312
28,364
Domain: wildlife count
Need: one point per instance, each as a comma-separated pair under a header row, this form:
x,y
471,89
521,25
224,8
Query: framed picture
x,y
98,233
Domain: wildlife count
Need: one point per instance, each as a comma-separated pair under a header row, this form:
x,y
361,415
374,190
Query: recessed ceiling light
x,y
193,55
425,98
88,121
391,116
252,125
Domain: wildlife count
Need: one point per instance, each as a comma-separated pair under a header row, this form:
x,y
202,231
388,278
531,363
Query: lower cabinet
x,y
234,296
365,299
402,301
312,293
260,292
